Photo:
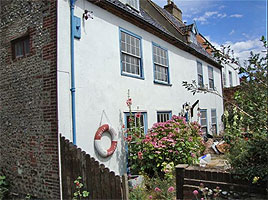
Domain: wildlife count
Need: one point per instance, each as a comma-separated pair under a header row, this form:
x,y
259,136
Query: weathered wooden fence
x,y
188,178
97,180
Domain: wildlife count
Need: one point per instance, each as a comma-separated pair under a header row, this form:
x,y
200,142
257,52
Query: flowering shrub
x,y
173,141
154,188
204,193
161,188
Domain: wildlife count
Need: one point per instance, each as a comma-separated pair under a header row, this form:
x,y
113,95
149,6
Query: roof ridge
x,y
160,11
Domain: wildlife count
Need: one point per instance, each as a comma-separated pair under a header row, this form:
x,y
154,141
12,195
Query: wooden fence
x,y
99,181
188,178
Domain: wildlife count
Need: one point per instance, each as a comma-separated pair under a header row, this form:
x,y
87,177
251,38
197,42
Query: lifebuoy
x,y
97,139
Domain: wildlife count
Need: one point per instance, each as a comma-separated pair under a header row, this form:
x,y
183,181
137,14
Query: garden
x,y
155,155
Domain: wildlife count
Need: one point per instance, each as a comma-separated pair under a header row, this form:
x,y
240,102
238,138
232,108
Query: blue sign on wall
x,y
77,27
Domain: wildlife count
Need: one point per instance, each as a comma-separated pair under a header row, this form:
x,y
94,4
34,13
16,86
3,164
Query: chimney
x,y
173,9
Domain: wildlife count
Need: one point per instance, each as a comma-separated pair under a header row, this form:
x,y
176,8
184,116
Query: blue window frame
x,y
163,116
143,120
203,121
130,54
161,66
210,78
200,81
213,121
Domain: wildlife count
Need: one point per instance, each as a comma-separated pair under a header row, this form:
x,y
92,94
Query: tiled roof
x,y
187,28
149,19
201,50
170,16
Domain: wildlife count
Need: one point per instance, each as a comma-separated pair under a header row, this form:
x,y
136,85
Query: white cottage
x,y
129,45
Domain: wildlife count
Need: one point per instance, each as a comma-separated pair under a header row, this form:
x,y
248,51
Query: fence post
x,y
125,187
180,170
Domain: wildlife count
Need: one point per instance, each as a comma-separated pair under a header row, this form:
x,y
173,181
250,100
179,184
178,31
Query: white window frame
x,y
224,78
230,78
204,126
200,74
214,123
211,79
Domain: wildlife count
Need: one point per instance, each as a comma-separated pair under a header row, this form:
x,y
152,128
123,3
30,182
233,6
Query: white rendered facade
x,y
101,89
230,76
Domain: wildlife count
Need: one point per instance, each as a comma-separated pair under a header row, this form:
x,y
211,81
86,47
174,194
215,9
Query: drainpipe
x,y
72,2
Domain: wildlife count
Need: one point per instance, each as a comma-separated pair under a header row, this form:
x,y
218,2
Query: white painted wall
x,y
100,86
234,69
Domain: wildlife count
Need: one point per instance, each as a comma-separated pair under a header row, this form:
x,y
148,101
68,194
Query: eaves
x,y
136,19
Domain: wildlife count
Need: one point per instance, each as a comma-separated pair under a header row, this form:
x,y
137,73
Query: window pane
x,y
136,122
163,117
203,122
130,47
200,80
213,116
199,74
224,79
27,46
211,83
210,72
214,129
19,49
230,78
199,68
161,73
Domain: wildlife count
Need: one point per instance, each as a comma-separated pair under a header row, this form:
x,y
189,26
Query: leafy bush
x,y
246,127
173,141
154,188
79,193
246,116
3,187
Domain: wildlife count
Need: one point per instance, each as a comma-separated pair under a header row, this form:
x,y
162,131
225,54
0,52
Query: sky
x,y
239,23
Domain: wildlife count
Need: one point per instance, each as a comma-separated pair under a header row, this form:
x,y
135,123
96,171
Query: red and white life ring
x,y
97,140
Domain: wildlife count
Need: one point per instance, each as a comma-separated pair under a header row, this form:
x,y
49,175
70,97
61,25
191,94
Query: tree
x,y
246,120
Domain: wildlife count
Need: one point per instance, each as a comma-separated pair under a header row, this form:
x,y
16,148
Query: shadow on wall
x,y
121,153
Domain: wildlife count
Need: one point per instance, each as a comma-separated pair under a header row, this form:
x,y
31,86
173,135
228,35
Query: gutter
x,y
72,2
111,7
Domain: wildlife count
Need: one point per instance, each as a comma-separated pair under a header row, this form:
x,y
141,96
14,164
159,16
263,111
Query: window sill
x,y
132,76
162,83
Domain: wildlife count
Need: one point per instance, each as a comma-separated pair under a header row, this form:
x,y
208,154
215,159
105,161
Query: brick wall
x,y
228,94
28,99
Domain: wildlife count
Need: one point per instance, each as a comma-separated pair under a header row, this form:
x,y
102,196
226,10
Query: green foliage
x,y
161,188
79,193
28,196
3,187
246,117
168,143
247,131
138,193
154,188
